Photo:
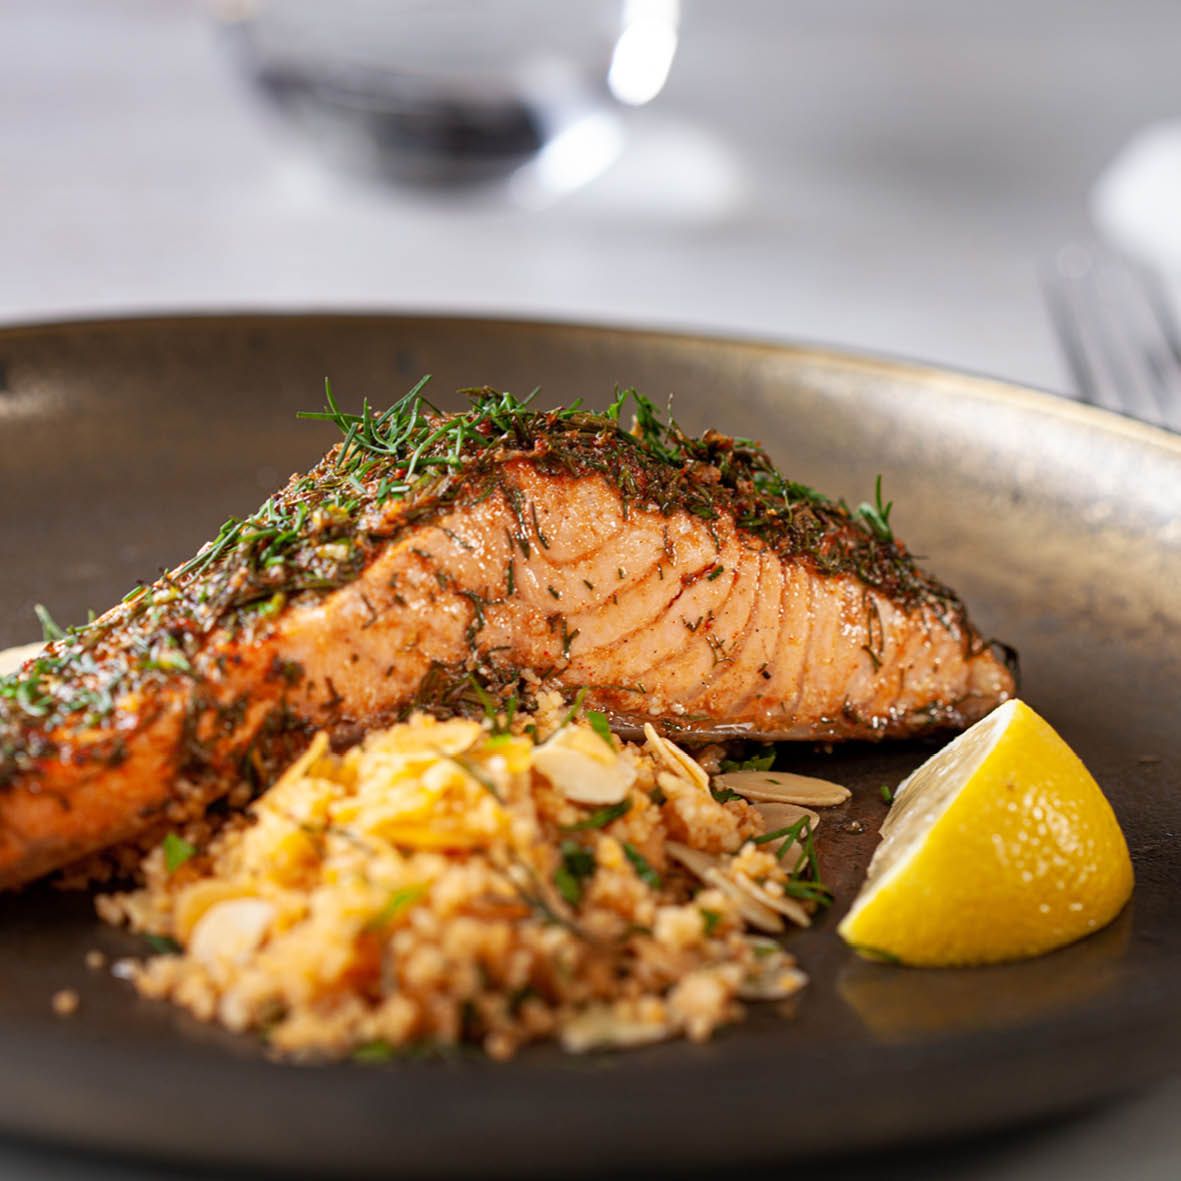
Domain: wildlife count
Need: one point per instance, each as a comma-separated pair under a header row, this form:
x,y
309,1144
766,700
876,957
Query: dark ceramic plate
x,y
123,445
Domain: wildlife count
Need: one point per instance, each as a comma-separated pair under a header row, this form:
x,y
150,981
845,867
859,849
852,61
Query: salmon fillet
x,y
458,562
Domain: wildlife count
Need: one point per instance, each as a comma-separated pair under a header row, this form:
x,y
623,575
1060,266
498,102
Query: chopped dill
x,y
598,723
399,901
877,515
576,865
763,762
639,863
49,629
600,817
163,944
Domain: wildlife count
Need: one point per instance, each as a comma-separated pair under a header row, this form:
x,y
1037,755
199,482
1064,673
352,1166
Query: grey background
x,y
888,174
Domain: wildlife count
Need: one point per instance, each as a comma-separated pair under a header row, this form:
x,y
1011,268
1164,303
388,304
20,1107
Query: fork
x,y
1118,333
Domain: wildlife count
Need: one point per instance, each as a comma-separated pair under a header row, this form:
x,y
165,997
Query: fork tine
x,y
1066,331
1118,334
1118,310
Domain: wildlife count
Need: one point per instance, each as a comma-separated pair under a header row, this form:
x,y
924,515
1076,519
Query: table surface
x,y
887,174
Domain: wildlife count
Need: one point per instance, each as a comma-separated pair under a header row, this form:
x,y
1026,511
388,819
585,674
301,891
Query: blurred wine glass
x,y
458,94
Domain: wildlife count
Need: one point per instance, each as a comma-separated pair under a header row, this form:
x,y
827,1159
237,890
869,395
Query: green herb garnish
x,y
709,920
400,900
763,762
598,723
877,515
804,882
875,953
600,817
163,944
644,871
887,794
576,708
577,864
176,851
377,1051
49,629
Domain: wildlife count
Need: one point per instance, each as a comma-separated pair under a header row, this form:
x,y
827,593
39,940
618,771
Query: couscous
x,y
450,881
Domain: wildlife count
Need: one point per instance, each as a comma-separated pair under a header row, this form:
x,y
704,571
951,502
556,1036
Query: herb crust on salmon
x,y
456,561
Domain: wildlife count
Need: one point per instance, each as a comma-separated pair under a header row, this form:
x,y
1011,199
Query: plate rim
x,y
902,367
1081,1023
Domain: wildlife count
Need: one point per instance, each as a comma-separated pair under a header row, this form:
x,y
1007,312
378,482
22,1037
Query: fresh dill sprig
x,y
49,629
877,515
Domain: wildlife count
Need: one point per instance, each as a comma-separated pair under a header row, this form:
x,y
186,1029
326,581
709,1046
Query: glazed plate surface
x,y
123,445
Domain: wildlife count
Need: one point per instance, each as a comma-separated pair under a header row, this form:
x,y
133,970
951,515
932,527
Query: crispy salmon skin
x,y
455,562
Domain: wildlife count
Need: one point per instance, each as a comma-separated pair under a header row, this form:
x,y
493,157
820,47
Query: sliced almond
x,y
584,768
231,931
775,976
12,658
682,765
784,904
694,860
600,1027
756,905
784,787
752,910
776,816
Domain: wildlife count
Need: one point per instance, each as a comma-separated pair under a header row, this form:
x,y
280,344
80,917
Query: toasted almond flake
x,y
195,900
755,905
751,909
676,760
775,983
230,931
12,658
785,905
584,768
599,1027
124,969
784,787
95,959
694,860
776,816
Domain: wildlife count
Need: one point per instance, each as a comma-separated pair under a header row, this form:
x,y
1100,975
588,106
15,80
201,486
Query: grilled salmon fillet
x,y
457,562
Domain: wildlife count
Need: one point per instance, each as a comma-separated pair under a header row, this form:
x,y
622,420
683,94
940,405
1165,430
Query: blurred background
x,y
897,175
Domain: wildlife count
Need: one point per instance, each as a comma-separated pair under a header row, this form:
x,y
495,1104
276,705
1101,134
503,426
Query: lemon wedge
x,y
999,847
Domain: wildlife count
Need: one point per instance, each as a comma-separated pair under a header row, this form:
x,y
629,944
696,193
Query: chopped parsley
x,y
176,852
